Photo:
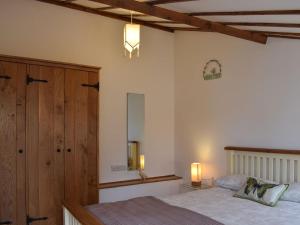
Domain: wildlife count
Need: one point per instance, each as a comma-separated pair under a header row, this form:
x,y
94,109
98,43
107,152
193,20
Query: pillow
x,y
261,192
234,182
292,194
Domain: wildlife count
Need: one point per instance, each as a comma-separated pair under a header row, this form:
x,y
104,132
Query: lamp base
x,y
196,184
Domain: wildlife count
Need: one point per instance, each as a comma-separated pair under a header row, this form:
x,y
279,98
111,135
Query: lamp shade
x,y
196,173
142,162
132,38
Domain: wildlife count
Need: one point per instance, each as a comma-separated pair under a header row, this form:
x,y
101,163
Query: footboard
x,y
69,219
75,214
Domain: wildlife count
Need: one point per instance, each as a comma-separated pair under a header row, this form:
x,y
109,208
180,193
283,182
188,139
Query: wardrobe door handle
x,y
69,150
58,150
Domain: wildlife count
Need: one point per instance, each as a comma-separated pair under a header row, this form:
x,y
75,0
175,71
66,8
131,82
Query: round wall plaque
x,y
212,70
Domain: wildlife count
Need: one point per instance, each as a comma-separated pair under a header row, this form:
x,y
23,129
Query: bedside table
x,y
187,187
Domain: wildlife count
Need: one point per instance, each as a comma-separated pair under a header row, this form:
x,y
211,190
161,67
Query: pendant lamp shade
x,y
132,39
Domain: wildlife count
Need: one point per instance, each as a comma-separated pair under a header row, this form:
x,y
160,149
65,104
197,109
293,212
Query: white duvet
x,y
218,204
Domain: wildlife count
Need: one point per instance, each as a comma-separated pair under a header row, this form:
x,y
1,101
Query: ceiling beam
x,y
160,2
268,33
167,14
103,13
286,35
247,13
278,33
283,36
105,8
258,24
161,21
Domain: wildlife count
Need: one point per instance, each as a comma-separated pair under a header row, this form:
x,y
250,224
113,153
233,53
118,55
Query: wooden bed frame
x,y
279,165
75,214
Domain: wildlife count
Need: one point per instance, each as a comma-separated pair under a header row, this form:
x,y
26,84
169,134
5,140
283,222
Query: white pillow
x,y
292,194
234,182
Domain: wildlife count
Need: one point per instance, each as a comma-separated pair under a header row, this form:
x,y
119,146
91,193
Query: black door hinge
x,y
5,78
6,222
30,220
29,80
96,86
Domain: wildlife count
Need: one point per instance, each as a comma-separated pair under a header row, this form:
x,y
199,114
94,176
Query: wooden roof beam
x,y
160,2
247,13
267,33
178,17
284,36
104,13
105,8
259,24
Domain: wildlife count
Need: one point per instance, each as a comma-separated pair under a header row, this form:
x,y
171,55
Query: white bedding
x,y
218,204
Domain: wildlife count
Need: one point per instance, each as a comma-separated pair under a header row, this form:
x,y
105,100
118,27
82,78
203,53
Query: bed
x,y
218,204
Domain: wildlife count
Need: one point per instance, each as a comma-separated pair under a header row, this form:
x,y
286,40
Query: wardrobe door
x,y
45,144
12,142
81,136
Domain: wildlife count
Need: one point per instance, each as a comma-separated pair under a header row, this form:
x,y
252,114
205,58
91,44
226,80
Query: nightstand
x,y
187,187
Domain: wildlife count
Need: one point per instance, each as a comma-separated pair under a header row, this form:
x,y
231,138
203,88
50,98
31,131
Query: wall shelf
x,y
138,181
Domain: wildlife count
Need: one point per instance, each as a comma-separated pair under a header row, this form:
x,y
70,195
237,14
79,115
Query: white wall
x,y
255,104
33,29
158,189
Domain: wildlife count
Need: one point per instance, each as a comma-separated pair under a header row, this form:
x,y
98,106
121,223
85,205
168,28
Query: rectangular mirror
x,y
135,129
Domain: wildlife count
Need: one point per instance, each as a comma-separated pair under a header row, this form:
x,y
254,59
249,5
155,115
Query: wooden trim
x,y
271,34
42,62
105,8
247,13
262,150
105,13
178,17
138,181
162,21
160,2
260,24
81,214
278,33
189,29
284,36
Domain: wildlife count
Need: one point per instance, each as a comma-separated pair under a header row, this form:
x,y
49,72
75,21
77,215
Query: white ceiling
x,y
224,5
232,5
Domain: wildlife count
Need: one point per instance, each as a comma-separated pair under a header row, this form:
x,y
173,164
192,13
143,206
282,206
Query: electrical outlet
x,y
116,168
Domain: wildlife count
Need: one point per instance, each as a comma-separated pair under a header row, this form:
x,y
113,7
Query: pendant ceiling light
x,y
132,38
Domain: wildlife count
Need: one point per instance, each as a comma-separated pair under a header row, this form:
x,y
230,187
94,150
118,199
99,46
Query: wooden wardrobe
x,y
48,139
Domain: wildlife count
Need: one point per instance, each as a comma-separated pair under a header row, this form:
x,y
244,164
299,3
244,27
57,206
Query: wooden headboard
x,y
278,165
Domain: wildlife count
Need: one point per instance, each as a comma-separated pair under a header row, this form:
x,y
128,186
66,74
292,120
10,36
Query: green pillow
x,y
261,192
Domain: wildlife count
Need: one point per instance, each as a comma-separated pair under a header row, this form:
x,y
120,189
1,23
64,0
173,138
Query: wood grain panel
x,y
21,144
45,116
81,137
32,144
70,84
11,138
93,143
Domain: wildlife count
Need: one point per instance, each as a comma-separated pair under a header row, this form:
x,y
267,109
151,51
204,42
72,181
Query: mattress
x,y
218,204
